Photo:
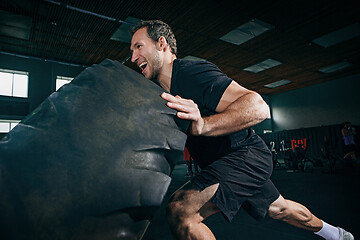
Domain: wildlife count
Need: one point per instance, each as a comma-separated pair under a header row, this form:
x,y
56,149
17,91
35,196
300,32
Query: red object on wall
x,y
298,143
187,156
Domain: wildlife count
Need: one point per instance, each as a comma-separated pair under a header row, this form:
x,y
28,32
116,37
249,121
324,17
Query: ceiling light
x,y
335,67
277,84
194,58
246,32
338,36
268,63
123,33
16,26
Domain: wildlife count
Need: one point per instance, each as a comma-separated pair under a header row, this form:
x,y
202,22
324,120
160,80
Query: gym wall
x,y
324,104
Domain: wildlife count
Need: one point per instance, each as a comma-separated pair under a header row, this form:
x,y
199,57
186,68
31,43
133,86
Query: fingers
x,y
186,116
170,98
177,102
182,106
186,108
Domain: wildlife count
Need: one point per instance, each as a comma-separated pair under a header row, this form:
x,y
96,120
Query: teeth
x,y
142,65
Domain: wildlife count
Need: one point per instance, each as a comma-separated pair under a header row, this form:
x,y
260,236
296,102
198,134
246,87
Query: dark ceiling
x,y
61,33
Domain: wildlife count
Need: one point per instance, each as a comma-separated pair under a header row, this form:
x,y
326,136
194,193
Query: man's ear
x,y
161,43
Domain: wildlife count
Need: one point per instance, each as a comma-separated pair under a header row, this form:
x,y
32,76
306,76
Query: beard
x,y
156,66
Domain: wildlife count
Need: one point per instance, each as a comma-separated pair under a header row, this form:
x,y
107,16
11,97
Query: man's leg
x,y
299,216
294,214
187,209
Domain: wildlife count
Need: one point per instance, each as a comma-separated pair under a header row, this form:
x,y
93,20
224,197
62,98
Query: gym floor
x,y
333,197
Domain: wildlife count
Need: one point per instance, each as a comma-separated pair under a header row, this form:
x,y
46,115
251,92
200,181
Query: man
x,y
348,133
236,164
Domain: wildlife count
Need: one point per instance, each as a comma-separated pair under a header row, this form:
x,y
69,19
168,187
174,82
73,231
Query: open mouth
x,y
142,66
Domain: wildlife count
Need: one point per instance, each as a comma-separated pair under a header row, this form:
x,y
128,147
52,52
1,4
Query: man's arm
x,y
238,108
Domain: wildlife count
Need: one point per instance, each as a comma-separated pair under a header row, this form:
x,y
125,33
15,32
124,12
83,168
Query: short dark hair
x,y
156,29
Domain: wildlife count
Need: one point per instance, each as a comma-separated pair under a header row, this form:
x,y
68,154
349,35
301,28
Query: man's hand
x,y
188,110
238,109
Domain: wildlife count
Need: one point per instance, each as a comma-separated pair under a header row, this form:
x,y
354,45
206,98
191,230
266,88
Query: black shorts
x,y
244,177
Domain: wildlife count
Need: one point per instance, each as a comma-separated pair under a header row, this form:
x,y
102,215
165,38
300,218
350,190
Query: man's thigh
x,y
190,200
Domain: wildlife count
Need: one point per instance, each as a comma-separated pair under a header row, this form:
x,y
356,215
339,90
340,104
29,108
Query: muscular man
x,y
236,164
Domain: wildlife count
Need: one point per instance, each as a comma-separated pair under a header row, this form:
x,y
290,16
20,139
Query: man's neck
x,y
164,77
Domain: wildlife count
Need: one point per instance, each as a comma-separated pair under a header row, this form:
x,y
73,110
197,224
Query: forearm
x,y
243,113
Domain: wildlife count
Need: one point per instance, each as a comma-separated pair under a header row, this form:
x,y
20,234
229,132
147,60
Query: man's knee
x,y
283,209
178,217
189,205
280,210
177,208
173,209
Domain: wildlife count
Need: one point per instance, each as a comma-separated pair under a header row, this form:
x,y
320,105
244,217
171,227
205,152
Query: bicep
x,y
233,92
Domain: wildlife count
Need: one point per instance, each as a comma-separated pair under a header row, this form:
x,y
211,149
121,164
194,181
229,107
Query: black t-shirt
x,y
205,84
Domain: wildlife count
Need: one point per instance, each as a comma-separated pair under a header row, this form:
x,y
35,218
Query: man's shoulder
x,y
187,65
191,69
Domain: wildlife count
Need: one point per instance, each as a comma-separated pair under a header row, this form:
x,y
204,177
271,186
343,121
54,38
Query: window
x,y
7,125
61,80
14,83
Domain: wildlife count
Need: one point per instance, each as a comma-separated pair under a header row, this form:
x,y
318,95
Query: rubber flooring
x,y
333,197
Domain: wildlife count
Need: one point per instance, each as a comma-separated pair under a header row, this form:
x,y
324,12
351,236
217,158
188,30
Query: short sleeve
x,y
202,82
